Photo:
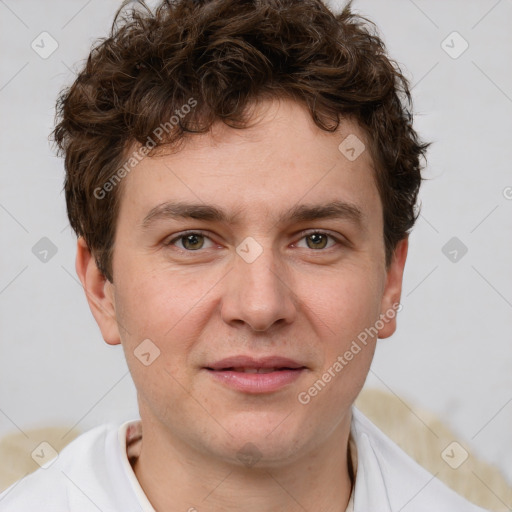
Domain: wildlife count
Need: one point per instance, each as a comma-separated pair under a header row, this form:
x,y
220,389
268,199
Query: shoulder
x,y
76,480
399,480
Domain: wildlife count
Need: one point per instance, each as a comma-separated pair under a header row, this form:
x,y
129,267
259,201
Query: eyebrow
x,y
298,213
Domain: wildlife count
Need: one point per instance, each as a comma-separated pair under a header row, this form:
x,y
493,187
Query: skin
x,y
294,300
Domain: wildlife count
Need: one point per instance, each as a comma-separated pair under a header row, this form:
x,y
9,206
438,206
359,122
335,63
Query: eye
x,y
191,240
195,240
318,240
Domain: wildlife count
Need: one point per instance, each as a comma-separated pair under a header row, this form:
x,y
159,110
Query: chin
x,y
265,443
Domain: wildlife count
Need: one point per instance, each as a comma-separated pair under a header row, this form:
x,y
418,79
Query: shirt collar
x,y
370,492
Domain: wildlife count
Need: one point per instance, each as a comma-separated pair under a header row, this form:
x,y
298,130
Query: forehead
x,y
282,160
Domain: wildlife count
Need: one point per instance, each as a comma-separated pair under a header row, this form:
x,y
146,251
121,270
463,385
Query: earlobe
x,y
99,293
390,304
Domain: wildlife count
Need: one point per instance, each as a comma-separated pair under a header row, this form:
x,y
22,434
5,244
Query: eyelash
x,y
302,234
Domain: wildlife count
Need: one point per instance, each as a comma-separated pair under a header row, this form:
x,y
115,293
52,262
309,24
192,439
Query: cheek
x,y
344,309
346,300
157,302
169,308
157,328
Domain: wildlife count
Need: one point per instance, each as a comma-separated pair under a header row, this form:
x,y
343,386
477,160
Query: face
x,y
275,276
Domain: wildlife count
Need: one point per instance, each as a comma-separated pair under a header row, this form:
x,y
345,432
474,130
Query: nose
x,y
259,293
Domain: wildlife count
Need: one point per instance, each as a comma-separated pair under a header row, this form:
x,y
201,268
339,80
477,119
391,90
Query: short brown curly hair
x,y
225,55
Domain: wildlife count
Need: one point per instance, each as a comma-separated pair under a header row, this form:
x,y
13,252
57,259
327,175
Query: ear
x,y
390,304
99,292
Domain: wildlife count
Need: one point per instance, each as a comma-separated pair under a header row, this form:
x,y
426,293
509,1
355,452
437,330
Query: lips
x,y
250,375
248,364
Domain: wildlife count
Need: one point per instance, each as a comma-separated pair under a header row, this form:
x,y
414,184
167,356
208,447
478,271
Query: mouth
x,y
241,369
243,363
249,375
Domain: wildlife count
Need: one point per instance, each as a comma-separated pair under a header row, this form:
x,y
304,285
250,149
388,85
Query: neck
x,y
175,477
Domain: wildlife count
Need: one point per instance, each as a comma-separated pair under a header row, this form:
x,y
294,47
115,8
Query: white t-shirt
x,y
93,473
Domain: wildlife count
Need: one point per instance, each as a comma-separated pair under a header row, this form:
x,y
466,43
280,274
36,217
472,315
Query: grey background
x,y
452,352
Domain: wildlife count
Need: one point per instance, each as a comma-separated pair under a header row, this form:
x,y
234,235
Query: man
x,y
242,177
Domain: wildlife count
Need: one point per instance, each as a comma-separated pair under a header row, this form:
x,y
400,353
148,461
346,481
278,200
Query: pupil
x,y
317,237
192,238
